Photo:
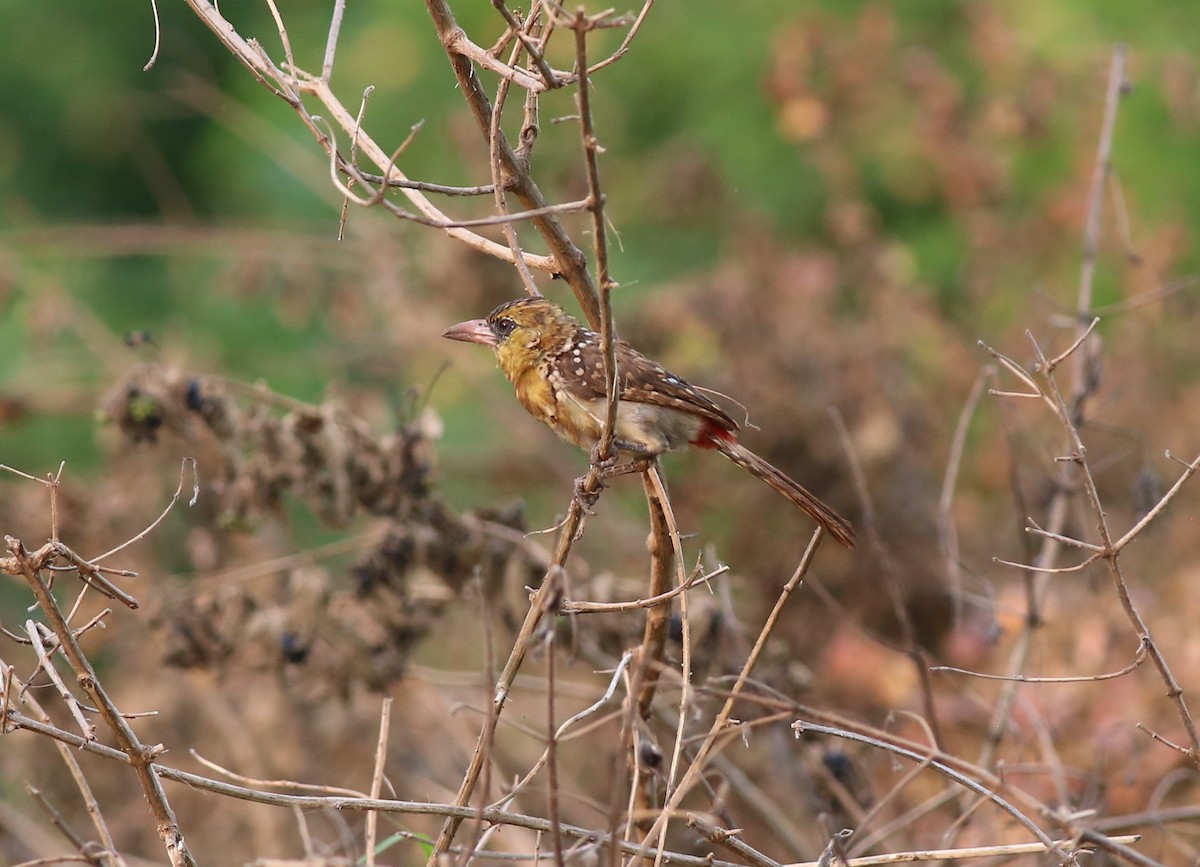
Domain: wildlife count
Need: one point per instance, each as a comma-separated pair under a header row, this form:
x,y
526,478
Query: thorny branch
x,y
512,175
139,756
1082,387
1111,555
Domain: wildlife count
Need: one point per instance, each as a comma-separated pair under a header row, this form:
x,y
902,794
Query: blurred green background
x,y
814,205
917,172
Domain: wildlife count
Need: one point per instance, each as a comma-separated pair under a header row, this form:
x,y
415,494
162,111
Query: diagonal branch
x,y
139,756
569,262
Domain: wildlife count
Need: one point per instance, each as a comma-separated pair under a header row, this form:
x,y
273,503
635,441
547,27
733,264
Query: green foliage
x,y
814,204
780,116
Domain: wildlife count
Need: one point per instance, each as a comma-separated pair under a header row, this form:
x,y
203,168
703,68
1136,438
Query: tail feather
x,y
834,524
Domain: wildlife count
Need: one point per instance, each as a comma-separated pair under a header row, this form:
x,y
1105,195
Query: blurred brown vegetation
x,y
360,525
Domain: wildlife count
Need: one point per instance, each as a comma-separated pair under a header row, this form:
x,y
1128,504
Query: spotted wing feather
x,y
580,368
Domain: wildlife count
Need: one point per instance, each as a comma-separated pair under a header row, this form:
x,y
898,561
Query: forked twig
x,y
544,602
730,838
1081,389
718,727
569,261
46,664
140,756
583,607
1111,555
939,765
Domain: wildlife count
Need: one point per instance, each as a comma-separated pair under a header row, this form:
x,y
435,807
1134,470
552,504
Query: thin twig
x,y
582,25
947,530
1049,570
1051,365
573,607
545,601
286,40
46,664
623,49
1189,471
184,464
531,47
385,720
139,755
570,262
552,790
998,851
806,726
654,475
57,819
717,729
1095,207
510,232
331,40
654,632
331,790
157,37
1138,659
1174,287
362,109
1112,558
338,803
731,840
565,727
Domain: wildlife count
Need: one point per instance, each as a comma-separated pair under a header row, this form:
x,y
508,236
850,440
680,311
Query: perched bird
x,y
557,368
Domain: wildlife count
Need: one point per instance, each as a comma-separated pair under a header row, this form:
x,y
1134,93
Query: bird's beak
x,y
473,331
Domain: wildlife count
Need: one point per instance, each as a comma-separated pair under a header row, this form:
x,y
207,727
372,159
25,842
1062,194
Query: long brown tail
x,y
835,524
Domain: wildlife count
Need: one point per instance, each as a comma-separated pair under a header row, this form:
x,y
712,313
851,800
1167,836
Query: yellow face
x,y
518,332
522,328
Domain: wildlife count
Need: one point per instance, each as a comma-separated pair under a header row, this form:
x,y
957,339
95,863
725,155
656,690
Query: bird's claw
x,y
604,462
587,495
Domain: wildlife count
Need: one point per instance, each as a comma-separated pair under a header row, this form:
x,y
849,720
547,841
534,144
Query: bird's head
x,y
519,331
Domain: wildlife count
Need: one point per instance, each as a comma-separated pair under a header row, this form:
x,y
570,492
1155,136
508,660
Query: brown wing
x,y
580,368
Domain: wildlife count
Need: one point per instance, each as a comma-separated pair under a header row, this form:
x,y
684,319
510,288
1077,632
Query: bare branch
x,y
335,28
947,531
1189,471
138,755
718,727
1021,678
939,765
549,77
385,718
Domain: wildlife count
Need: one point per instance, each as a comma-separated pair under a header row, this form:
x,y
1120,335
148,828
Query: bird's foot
x,y
604,463
587,494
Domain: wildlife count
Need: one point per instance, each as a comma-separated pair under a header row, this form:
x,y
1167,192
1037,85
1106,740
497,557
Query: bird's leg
x,y
639,450
637,465
609,468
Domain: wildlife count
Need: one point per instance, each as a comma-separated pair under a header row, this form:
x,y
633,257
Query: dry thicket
x,y
614,718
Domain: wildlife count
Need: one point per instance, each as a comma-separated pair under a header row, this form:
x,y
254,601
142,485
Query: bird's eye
x,y
504,327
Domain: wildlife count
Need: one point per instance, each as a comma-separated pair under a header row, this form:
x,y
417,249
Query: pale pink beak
x,y
473,331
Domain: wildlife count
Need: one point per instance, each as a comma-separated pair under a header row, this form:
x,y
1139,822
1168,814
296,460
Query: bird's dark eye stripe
x,y
504,326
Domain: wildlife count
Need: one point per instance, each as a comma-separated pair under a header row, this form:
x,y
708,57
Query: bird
x,y
556,366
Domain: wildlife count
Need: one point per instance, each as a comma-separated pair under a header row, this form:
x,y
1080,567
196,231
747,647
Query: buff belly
x,y
641,429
